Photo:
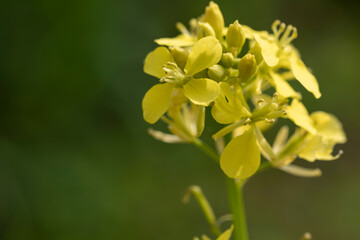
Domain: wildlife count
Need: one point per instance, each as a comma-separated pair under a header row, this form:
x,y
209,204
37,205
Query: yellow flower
x,y
318,145
278,53
160,63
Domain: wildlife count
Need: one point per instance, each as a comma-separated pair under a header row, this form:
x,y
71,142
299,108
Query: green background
x,y
76,161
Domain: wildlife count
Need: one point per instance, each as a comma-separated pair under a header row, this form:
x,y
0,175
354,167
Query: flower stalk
x,y
206,67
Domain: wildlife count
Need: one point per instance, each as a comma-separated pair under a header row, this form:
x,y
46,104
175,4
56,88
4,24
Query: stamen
x,y
260,102
274,106
269,121
181,27
275,96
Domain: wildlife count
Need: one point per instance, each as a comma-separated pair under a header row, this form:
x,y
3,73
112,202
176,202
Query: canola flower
x,y
247,89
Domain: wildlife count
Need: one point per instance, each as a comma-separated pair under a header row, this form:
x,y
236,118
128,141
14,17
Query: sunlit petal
x,y
205,53
241,157
201,91
156,101
300,116
155,60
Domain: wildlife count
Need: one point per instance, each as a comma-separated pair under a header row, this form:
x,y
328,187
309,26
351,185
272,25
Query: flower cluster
x,y
243,76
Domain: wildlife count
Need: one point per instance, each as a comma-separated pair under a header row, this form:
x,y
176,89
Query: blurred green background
x,y
76,161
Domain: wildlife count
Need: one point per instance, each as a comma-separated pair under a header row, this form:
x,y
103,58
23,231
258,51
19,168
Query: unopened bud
x,y
217,72
235,38
206,30
227,60
255,50
180,56
214,17
247,67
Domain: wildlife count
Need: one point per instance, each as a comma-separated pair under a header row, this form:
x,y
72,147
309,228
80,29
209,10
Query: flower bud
x,y
214,17
217,72
227,60
235,38
180,56
255,50
247,67
205,30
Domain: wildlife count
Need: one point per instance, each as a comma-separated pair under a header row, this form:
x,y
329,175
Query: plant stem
x,y
207,150
237,208
235,194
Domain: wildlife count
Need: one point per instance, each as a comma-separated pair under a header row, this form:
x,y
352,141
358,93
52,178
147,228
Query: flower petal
x,y
181,40
205,53
268,50
227,108
241,157
283,87
156,101
329,127
300,116
303,75
316,148
201,91
155,60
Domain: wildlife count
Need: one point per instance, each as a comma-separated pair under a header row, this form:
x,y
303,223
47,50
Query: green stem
x,y
207,150
236,201
235,194
205,207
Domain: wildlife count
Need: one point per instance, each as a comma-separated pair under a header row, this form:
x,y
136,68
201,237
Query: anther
x,y
275,96
269,120
260,102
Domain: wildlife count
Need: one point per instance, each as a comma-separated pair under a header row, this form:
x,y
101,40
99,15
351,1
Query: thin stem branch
x,y
207,150
237,208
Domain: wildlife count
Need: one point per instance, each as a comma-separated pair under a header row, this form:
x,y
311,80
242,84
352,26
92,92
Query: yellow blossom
x,y
277,53
205,53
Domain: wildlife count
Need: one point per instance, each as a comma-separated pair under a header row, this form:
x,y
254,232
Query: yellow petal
x,y
316,148
201,91
205,53
268,50
227,234
181,40
241,157
300,116
156,101
155,60
303,75
283,87
329,127
227,108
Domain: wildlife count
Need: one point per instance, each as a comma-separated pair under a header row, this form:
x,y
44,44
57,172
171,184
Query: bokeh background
x,y
76,161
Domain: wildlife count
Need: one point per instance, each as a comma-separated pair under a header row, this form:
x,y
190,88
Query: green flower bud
x,y
255,50
247,67
235,38
206,30
214,17
227,60
180,56
217,72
